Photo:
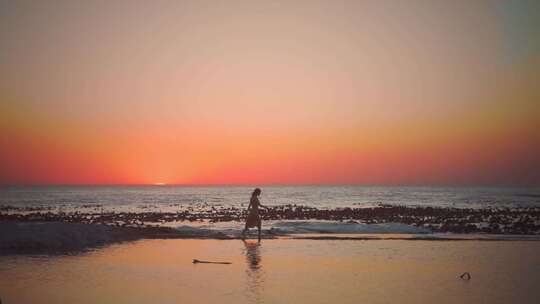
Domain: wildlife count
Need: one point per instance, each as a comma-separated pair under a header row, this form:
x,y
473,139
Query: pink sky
x,y
235,92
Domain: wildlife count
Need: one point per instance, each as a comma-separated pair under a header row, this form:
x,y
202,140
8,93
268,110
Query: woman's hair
x,y
257,191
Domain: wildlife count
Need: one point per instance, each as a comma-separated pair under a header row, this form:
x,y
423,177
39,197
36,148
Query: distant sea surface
x,y
171,198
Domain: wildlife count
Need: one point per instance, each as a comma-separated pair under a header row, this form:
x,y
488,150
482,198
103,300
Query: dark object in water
x,y
465,276
195,261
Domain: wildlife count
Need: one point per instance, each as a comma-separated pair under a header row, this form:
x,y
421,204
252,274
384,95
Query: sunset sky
x,y
270,92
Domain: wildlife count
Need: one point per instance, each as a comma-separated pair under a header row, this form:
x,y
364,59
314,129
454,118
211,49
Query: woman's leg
x,y
244,231
259,226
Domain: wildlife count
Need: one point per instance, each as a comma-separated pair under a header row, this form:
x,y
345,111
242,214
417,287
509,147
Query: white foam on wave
x,y
207,231
297,227
303,227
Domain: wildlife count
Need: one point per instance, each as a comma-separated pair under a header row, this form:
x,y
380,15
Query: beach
x,y
303,152
279,271
319,245
335,209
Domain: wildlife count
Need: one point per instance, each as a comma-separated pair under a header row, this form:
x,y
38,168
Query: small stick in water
x,y
465,276
195,261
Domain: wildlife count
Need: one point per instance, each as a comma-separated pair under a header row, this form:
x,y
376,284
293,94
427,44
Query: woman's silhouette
x,y
253,219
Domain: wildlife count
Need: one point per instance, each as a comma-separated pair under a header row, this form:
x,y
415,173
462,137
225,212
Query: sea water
x,y
98,199
279,271
163,198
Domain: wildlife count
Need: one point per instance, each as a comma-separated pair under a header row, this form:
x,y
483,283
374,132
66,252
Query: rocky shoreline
x,y
510,221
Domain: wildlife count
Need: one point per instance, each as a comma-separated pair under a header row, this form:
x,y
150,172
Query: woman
x,y
253,218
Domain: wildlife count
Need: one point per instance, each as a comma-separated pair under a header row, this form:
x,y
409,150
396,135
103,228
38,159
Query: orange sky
x,y
257,92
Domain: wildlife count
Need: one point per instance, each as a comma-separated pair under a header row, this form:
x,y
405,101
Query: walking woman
x,y
253,219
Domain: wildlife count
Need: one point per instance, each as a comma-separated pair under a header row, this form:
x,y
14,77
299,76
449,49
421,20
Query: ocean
x,y
161,199
167,198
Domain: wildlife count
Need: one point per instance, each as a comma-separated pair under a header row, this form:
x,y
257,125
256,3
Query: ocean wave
x,y
304,227
294,227
61,237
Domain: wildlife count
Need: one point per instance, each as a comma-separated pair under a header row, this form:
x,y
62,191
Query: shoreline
x,y
24,230
34,237
495,220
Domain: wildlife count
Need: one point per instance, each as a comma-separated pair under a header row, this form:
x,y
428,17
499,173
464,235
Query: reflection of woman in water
x,y
254,272
253,255
253,219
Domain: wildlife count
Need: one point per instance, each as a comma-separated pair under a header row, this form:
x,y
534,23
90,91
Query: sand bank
x,y
63,237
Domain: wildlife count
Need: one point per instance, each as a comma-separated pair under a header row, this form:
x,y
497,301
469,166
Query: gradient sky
x,y
258,92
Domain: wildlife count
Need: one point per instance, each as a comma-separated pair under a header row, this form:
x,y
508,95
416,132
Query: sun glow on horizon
x,y
316,92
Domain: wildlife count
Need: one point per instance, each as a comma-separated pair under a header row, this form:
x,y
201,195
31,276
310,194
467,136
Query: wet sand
x,y
279,271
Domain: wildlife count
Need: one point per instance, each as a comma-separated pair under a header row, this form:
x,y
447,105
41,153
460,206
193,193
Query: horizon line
x,y
264,184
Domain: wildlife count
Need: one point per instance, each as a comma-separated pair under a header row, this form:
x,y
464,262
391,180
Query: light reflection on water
x,y
254,271
279,271
97,199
